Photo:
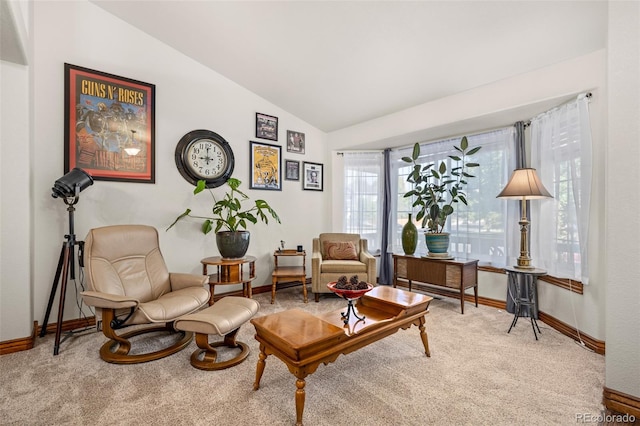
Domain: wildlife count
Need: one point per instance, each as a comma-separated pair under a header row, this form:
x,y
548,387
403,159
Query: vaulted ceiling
x,y
335,63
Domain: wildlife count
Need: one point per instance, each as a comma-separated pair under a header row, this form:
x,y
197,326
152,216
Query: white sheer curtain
x,y
561,152
479,230
363,192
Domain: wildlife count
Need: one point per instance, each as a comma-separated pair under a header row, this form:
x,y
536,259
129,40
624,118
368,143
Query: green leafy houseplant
x,y
227,212
437,189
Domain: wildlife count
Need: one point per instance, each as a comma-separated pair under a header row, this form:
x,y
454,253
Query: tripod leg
x,y
63,291
54,287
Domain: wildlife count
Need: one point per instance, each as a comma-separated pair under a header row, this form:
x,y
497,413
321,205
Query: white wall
x,y
622,246
16,310
502,104
188,96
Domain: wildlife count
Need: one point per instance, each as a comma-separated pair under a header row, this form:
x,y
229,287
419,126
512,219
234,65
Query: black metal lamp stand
x,y
66,268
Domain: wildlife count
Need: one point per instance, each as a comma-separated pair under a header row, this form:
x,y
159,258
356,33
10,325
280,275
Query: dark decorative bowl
x,y
348,294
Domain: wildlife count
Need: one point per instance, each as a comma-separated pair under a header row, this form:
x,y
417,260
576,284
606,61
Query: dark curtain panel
x,y
386,270
521,161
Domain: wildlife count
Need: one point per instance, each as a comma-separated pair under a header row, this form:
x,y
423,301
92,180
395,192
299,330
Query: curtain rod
x,y
588,95
360,152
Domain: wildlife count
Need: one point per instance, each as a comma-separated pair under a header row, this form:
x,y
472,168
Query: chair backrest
x,y
126,260
339,237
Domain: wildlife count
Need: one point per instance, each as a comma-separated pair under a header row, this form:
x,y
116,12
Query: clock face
x,y
204,155
207,159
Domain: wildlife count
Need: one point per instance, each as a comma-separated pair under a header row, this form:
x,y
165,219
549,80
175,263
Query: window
x,y
487,229
561,152
477,230
363,186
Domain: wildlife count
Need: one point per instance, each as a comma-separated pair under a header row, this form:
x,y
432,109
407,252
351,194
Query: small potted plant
x,y
437,190
230,218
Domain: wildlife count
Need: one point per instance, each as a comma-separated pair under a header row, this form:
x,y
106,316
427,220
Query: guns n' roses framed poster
x,y
109,126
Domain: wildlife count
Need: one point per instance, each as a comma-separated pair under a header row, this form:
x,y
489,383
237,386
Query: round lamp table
x,y
229,272
523,291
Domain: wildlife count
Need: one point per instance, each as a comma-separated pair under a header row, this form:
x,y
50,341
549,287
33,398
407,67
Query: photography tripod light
x,y
68,187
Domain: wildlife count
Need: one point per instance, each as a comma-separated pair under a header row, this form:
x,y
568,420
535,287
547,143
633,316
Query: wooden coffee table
x,y
304,341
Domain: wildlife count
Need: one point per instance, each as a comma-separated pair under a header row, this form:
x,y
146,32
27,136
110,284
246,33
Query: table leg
x,y
249,295
475,293
274,282
533,300
262,361
300,394
462,299
304,289
212,288
516,301
424,337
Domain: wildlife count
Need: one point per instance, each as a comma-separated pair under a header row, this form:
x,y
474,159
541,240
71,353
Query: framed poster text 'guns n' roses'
x,y
109,126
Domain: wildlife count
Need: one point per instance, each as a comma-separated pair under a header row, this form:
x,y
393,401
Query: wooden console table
x,y
304,341
230,271
459,274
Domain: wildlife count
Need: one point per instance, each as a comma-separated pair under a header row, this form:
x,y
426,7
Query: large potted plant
x,y
437,190
230,218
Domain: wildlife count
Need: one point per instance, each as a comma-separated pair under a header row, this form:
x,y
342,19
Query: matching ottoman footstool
x,y
224,318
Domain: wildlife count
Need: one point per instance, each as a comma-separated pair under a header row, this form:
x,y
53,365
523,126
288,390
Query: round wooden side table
x,y
229,272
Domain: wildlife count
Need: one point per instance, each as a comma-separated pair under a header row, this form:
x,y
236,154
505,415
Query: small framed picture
x,y
266,127
312,176
291,170
266,171
295,142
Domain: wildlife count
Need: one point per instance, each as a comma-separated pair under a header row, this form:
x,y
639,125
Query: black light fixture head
x,y
71,184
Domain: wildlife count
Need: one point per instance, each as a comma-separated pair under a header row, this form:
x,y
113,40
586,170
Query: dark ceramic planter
x,y
232,245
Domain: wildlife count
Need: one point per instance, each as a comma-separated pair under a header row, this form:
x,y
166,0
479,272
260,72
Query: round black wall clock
x,y
204,155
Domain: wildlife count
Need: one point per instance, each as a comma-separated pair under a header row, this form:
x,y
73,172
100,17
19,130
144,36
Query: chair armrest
x,y
316,261
366,257
180,280
108,301
316,254
369,260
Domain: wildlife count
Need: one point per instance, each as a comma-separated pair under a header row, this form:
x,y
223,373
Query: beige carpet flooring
x,y
477,375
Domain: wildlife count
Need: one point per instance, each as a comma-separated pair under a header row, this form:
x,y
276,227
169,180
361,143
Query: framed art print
x,y
291,170
295,142
265,169
312,176
266,127
109,128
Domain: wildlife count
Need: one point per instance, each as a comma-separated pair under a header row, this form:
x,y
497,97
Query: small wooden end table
x,y
230,271
297,273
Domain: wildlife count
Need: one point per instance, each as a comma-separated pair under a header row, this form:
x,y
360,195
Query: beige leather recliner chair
x,y
330,259
128,283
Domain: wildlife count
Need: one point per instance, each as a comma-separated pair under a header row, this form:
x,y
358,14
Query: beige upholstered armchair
x,y
128,283
337,254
